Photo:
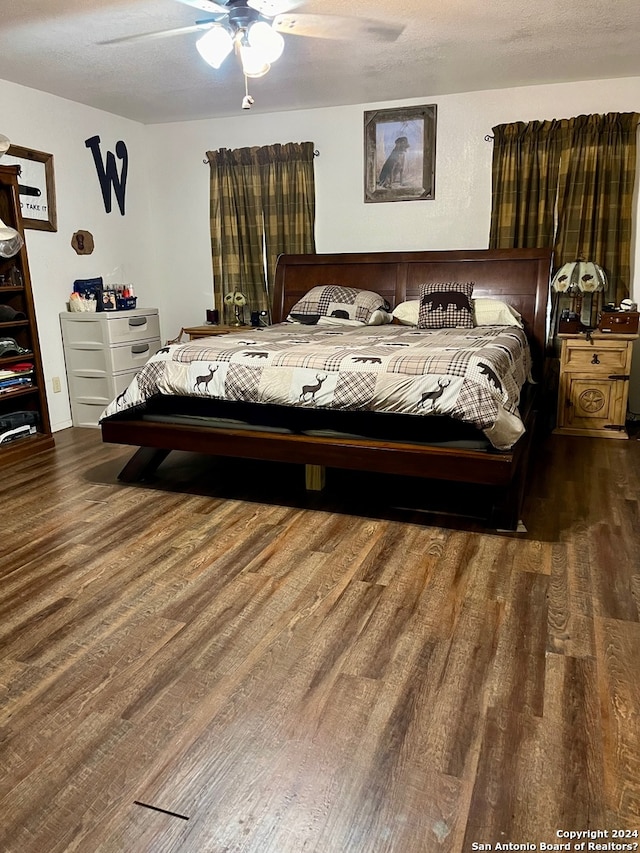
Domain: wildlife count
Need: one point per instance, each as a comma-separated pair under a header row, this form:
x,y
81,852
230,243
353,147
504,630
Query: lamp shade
x,y
235,297
267,41
253,62
579,276
237,300
582,281
215,45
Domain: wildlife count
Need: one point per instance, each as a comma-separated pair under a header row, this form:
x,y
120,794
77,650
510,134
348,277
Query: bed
x,y
431,443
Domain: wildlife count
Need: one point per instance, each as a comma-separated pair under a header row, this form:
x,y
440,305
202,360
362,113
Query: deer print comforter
x,y
475,375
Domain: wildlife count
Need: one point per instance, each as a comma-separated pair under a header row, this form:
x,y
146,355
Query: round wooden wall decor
x,y
82,242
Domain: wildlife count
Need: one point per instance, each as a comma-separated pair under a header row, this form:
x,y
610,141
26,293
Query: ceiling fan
x,y
253,29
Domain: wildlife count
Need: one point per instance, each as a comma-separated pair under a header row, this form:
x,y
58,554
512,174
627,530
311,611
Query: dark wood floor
x,y
283,674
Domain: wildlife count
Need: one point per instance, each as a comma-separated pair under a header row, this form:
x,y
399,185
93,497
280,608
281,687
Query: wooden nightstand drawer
x,y
599,358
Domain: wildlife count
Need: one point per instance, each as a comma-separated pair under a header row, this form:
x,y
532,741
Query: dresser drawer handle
x,y
137,321
595,359
139,348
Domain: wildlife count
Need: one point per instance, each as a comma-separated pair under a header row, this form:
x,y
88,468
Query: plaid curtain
x,y
568,184
262,203
288,201
595,195
237,230
526,160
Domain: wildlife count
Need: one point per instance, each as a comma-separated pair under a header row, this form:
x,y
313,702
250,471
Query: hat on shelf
x,y
8,346
4,144
8,314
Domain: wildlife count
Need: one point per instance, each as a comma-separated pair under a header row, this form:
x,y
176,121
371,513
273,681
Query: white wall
x,y
163,241
458,217
43,122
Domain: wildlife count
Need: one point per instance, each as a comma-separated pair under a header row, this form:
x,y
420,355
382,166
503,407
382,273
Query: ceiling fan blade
x,y
161,34
336,27
207,6
271,8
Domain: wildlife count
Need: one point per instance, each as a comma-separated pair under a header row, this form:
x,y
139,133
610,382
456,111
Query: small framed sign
x,y
36,188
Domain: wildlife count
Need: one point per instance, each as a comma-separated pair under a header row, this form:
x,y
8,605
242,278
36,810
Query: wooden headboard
x,y
517,276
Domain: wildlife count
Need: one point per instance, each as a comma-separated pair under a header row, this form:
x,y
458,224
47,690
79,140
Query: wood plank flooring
x,y
218,662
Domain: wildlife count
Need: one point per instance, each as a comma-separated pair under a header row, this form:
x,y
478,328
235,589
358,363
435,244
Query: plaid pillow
x,y
446,305
332,300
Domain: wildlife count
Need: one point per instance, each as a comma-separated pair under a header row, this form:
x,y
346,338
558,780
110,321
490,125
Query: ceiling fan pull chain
x,y
247,101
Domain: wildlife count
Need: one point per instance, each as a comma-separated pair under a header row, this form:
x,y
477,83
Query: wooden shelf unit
x,y
24,332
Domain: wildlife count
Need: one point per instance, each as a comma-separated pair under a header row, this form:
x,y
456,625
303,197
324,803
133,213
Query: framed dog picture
x,y
400,154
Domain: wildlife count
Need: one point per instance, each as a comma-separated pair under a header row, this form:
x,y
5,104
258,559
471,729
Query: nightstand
x,y
208,331
594,384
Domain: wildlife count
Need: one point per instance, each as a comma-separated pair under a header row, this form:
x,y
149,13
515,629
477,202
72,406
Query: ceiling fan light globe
x,y
268,41
215,45
253,62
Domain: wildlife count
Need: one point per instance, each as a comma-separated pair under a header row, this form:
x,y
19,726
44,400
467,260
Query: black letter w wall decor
x,y
108,174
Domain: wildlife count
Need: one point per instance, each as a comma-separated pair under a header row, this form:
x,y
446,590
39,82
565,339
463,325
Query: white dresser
x,y
103,352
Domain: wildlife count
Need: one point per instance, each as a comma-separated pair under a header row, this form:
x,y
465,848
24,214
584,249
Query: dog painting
x,y
392,171
399,153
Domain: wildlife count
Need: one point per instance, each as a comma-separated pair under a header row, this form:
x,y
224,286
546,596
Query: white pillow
x,y
486,312
406,313
494,312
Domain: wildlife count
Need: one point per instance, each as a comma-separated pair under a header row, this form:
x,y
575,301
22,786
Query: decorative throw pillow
x,y
332,300
446,305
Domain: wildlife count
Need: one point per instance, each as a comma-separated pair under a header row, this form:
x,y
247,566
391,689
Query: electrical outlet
x,y
57,387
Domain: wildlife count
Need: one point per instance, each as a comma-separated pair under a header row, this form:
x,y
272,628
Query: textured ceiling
x,y
446,46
